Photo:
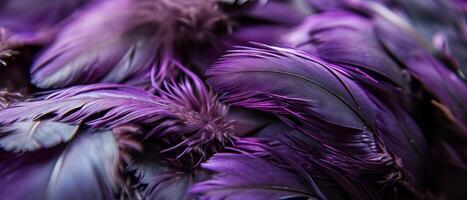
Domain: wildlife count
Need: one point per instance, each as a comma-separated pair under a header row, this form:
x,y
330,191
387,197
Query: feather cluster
x,y
233,99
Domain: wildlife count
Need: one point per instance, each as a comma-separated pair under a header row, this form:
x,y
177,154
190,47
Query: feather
x,y
86,167
97,44
349,41
118,104
316,98
249,177
100,44
34,135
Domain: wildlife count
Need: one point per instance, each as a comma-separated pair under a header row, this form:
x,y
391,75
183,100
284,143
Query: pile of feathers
x,y
233,99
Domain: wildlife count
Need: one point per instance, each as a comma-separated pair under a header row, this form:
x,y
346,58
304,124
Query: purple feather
x,y
119,105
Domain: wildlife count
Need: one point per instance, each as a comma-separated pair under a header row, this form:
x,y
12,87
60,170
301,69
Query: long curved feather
x,y
118,104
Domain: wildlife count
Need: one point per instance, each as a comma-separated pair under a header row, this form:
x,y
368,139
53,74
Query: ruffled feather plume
x,y
195,122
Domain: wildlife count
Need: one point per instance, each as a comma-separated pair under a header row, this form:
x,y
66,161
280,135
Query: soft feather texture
x,y
86,167
332,120
316,98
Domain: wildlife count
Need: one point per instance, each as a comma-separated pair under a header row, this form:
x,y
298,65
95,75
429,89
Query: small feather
x,y
31,136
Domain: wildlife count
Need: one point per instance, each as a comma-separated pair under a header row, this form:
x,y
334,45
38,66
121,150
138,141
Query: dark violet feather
x,y
248,177
316,98
34,135
348,40
85,168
